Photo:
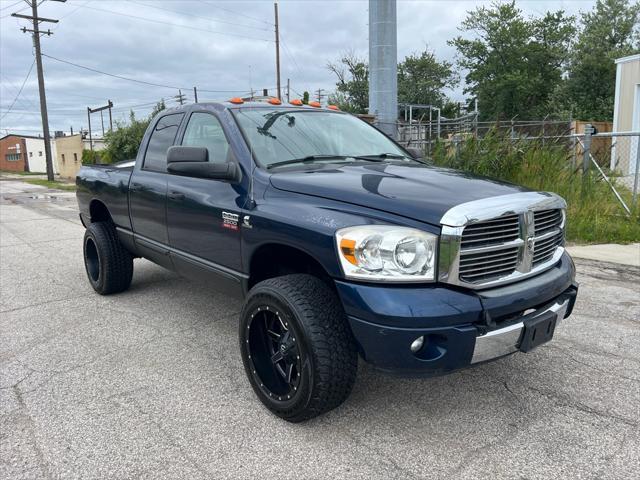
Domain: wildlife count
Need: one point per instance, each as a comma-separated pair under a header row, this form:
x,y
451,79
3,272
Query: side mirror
x,y
416,153
179,153
192,162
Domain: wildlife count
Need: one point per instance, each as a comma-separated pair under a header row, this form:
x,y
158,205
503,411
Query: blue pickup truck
x,y
342,243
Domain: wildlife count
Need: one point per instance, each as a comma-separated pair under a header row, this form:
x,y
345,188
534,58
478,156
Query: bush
x,y
593,216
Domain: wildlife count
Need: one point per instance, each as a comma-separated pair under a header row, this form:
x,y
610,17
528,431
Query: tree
x,y
514,64
352,87
421,79
607,32
123,142
305,97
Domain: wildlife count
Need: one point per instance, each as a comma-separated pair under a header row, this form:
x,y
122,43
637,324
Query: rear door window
x,y
161,139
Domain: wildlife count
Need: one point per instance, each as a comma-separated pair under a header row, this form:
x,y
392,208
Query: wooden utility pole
x,y
288,90
35,20
195,95
275,8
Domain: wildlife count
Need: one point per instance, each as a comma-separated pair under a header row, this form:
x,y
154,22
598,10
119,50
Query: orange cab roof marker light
x,y
296,101
236,100
333,107
315,104
275,101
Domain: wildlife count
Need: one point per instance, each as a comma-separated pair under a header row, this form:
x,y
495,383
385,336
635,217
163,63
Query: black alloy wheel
x,y
297,349
274,353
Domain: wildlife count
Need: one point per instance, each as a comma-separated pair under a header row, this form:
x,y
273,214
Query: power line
x,y
237,13
176,24
21,87
110,74
9,6
95,70
199,16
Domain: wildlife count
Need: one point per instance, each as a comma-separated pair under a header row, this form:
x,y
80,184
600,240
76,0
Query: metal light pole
x,y
383,65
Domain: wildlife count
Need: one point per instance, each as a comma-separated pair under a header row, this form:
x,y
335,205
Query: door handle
x,y
176,195
136,184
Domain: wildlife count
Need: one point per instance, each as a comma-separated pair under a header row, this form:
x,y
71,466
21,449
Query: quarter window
x,y
161,139
204,130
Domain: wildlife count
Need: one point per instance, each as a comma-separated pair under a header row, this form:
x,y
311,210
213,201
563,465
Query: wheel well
x,y
275,260
99,212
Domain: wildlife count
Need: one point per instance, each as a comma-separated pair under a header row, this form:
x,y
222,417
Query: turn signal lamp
x,y
236,100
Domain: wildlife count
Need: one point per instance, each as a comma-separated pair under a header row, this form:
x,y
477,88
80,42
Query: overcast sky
x,y
225,47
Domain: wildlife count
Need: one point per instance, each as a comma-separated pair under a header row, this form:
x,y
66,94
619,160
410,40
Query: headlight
x,y
387,253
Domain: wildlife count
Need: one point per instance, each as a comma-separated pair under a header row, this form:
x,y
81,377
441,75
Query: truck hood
x,y
416,191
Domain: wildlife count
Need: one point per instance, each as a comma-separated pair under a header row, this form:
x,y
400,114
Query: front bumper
x,y
460,327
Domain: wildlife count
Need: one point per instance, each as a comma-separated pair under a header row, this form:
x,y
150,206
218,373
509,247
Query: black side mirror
x,y
179,153
192,162
416,153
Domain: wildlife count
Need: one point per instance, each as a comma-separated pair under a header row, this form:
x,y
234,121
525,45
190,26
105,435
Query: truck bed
x,y
109,183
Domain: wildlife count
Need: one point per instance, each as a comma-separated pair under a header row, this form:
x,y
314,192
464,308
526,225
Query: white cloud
x,y
314,32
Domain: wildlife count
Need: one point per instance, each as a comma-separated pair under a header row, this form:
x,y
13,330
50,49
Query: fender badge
x,y
230,220
246,221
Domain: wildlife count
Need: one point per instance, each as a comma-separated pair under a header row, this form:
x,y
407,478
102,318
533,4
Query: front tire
x,y
296,347
108,264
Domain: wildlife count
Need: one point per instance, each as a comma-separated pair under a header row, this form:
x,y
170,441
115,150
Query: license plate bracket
x,y
538,330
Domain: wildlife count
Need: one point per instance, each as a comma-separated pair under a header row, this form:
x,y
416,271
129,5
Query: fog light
x,y
417,344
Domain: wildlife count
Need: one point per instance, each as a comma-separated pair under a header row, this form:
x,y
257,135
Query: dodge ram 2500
x,y
341,242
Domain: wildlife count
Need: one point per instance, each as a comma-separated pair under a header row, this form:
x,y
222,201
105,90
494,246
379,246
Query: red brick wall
x,y
8,147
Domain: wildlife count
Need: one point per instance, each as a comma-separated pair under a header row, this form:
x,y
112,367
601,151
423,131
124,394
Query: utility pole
x,y
320,95
35,20
275,8
195,94
288,90
90,110
180,98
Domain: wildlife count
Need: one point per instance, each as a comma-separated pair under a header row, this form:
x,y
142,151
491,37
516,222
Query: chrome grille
x,y
509,245
484,255
480,267
546,221
493,232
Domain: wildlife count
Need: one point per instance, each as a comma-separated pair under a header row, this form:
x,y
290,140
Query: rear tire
x,y
108,264
296,346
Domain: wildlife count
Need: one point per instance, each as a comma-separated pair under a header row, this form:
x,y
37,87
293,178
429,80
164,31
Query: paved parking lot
x,y
149,383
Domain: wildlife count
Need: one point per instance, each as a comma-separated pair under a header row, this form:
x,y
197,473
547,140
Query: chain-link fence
x,y
615,156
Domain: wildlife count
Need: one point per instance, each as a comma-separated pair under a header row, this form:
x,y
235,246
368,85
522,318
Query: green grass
x,y
46,183
593,215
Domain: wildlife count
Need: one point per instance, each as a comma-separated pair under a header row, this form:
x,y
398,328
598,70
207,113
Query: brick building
x,y
13,153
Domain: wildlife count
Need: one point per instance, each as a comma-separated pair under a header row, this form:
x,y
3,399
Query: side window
x,y
161,139
204,130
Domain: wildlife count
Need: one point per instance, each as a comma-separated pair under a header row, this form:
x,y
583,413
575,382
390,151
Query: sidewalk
x,y
608,252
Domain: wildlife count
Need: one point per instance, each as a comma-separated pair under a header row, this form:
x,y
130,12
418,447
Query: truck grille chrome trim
x,y
503,239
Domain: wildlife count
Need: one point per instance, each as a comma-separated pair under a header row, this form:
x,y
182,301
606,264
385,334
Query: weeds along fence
x,y
611,157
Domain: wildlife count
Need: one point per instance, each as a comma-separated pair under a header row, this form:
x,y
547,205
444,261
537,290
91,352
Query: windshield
x,y
280,136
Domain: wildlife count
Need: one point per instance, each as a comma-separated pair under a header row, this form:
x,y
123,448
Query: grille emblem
x,y
530,243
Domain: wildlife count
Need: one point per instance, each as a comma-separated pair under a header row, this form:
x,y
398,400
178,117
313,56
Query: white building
x,y
626,114
36,157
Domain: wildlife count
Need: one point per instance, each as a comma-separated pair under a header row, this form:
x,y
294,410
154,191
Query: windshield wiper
x,y
393,156
308,159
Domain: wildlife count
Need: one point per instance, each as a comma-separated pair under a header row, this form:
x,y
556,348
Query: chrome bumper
x,y
504,341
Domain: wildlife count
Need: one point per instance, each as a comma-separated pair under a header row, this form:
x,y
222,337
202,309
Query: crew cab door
x,y
148,191
204,215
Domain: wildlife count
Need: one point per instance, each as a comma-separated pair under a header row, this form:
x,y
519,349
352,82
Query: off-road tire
x,y
108,264
329,358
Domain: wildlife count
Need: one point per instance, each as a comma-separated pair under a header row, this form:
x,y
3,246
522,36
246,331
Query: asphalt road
x,y
149,383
